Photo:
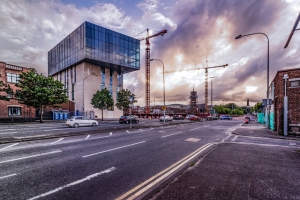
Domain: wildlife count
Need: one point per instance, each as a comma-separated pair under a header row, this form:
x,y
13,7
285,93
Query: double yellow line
x,y
143,187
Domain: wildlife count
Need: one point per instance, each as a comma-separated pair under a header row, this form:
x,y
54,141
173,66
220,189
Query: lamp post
x,y
285,107
83,94
211,93
163,88
240,36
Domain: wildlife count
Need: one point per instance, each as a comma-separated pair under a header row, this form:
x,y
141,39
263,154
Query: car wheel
x,y
94,124
75,125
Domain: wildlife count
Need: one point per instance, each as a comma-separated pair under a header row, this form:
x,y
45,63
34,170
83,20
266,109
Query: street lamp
x,y
211,93
240,36
83,95
163,88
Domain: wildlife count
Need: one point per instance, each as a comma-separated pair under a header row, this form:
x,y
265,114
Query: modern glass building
x,y
98,45
92,58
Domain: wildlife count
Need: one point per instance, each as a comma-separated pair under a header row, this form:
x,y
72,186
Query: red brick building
x,y
13,109
293,94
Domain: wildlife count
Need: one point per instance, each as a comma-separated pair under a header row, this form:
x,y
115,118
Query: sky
x,y
198,31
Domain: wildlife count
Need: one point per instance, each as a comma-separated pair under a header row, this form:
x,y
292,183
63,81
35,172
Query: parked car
x,y
194,118
127,119
189,116
212,118
225,117
77,121
178,117
246,120
167,118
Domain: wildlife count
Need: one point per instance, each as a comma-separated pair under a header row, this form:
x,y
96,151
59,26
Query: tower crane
x,y
147,71
206,79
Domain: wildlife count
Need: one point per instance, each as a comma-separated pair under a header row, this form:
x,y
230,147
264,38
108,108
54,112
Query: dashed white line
x,y
112,149
194,129
110,134
8,176
74,183
9,146
87,137
8,130
226,138
171,134
8,133
235,137
56,129
37,155
57,141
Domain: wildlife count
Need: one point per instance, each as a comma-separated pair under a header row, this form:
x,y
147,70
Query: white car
x,y
168,118
77,121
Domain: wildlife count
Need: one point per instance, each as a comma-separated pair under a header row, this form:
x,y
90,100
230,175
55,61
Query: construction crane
x,y
147,71
206,78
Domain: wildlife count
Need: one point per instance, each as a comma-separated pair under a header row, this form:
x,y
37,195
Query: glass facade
x,y
98,45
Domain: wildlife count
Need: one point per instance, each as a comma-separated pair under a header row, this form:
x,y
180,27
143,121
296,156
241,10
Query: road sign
x,y
164,107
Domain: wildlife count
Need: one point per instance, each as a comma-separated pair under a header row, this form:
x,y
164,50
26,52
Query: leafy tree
x,y
4,90
123,99
39,91
102,100
257,107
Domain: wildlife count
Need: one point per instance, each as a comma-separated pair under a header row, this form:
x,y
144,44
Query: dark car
x,y
127,119
178,117
225,117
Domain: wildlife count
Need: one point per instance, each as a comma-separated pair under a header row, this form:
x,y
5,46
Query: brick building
x,y
13,109
276,91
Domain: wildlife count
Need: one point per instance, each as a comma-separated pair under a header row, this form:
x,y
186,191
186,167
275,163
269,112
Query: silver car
x,y
167,118
77,121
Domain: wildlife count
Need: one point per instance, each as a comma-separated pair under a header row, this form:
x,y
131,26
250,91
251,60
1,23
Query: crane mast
x,y
147,70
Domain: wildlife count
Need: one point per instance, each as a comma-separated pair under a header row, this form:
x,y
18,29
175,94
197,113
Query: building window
x,y
12,78
14,111
74,74
110,87
119,79
103,78
295,83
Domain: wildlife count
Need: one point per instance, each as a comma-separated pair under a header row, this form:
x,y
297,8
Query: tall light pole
x,y
240,36
285,107
163,88
83,94
211,93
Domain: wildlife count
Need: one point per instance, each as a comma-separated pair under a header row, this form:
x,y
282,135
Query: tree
x,y
39,91
4,90
102,100
123,99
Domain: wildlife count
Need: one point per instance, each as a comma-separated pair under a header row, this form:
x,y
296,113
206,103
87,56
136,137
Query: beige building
x,y
92,58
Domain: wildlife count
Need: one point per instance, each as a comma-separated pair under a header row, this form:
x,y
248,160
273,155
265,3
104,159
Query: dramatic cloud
x,y
206,30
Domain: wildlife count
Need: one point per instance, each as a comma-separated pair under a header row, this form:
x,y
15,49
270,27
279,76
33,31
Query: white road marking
x,y
110,134
74,183
112,149
8,176
268,145
9,146
127,131
57,141
87,137
194,129
140,129
192,140
56,129
37,155
8,133
8,130
226,138
206,125
161,131
235,137
292,143
171,134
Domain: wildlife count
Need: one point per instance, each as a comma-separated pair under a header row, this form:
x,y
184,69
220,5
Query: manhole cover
x,y
192,140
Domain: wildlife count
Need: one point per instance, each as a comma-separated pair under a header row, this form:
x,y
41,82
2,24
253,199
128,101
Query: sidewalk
x,y
255,129
238,171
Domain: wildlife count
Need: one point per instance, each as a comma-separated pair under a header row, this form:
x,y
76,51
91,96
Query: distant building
x,y
9,74
193,102
276,94
92,58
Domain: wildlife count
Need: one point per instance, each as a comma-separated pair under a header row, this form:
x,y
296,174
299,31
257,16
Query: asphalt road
x,y
108,165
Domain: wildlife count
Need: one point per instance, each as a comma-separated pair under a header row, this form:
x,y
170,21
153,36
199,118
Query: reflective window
x,y
12,78
16,111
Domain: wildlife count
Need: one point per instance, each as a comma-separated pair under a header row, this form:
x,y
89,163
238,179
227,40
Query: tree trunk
x,y
41,114
102,114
